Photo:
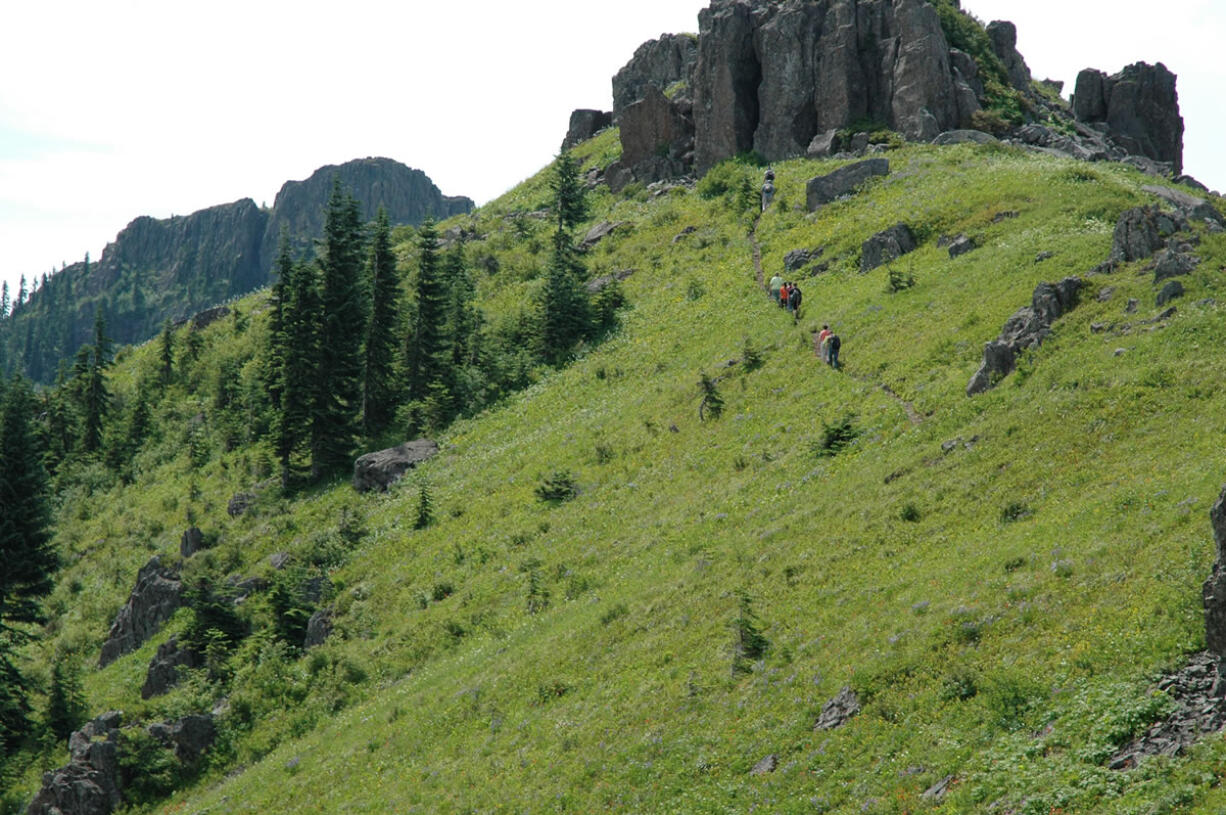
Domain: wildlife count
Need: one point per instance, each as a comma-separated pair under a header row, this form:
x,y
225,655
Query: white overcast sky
x,y
110,109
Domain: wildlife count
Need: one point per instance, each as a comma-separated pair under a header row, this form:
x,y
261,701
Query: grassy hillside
x,y
1002,605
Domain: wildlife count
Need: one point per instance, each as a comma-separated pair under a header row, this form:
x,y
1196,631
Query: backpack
x,y
835,342
794,298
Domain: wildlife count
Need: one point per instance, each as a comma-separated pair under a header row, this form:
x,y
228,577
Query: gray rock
x,y
657,136
189,736
585,123
319,628
1192,207
157,595
1105,294
206,318
772,76
886,246
598,233
797,259
825,188
839,710
960,246
191,542
598,285
937,791
164,671
1170,264
1171,291
656,63
823,145
279,560
1140,108
965,137
1214,593
1141,231
379,470
90,783
1027,328
766,766
1132,305
1003,36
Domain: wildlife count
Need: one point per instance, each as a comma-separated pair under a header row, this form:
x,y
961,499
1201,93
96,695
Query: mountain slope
x,y
1001,605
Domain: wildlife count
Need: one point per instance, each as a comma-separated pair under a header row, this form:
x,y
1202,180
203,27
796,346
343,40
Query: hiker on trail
x,y
784,291
822,343
775,285
768,189
834,343
794,300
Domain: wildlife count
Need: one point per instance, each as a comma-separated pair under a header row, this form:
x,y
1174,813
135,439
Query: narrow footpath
x,y
912,414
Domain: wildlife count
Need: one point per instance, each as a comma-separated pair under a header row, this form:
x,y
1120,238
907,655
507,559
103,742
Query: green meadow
x,y
1002,579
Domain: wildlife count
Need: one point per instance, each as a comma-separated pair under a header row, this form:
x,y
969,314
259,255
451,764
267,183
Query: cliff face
x,y
171,268
772,76
408,195
217,249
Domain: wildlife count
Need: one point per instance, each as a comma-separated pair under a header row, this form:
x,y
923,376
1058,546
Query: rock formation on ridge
x,y
780,77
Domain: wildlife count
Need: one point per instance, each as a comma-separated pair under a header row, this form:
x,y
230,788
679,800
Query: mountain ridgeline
x,y
159,269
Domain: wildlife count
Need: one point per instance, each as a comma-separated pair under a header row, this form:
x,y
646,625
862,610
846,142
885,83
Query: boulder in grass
x,y
379,470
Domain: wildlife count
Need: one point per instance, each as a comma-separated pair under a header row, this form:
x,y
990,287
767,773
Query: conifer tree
x,y
464,320
343,316
25,551
379,384
66,709
569,197
428,349
4,300
298,344
95,396
274,357
565,304
166,370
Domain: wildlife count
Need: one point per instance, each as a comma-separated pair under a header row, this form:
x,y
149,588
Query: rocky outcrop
x,y
408,195
157,595
90,783
1142,231
657,136
318,629
771,77
189,737
1027,328
1003,36
839,710
164,671
886,246
584,124
1140,108
843,181
1214,591
658,64
191,542
379,470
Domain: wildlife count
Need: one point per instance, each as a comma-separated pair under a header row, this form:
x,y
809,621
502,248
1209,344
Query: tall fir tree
x,y
166,356
570,203
379,388
428,349
343,316
95,394
565,305
464,320
25,552
297,354
274,357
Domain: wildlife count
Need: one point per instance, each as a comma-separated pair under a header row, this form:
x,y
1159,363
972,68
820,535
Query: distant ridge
x,y
171,268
